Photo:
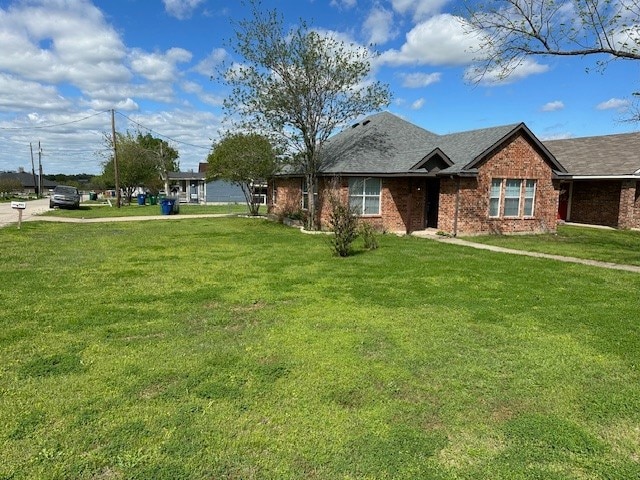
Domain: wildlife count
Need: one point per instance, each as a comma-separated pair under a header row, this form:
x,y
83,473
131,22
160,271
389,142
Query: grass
x,y
92,210
239,348
616,246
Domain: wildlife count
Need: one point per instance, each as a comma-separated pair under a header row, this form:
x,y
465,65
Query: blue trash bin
x,y
141,198
166,206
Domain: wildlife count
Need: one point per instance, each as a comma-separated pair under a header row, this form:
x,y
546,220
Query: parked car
x,y
64,197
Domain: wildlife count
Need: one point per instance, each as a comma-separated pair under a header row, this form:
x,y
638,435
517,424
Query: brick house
x,y
603,187
402,178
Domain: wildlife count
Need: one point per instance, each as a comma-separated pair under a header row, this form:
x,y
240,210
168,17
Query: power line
x,y
39,127
162,135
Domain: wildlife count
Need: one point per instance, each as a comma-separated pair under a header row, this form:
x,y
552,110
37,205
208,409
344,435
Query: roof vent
x,y
366,122
355,125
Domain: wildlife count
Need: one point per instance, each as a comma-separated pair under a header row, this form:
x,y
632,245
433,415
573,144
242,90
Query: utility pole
x,y
115,157
33,172
39,169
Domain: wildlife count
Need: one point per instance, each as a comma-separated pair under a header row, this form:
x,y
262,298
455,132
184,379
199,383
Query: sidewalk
x,y
560,258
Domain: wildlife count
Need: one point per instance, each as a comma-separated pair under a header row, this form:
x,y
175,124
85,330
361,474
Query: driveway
x,y
8,215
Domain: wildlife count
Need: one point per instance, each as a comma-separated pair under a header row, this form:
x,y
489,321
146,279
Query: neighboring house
x,y
27,181
188,187
220,191
603,187
402,178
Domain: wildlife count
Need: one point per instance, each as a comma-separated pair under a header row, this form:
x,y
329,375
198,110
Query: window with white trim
x,y
512,197
529,197
305,194
364,195
512,192
494,197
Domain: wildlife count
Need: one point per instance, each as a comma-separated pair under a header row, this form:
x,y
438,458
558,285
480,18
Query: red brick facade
x,y
463,201
518,159
613,203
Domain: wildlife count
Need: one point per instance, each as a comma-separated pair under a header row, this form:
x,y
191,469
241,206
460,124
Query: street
x,y
8,215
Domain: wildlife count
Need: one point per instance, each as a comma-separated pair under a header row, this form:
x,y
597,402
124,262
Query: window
x,y
512,193
494,198
364,195
529,197
305,194
512,198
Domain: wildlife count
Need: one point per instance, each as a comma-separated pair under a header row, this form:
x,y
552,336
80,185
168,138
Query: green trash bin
x,y
93,196
153,200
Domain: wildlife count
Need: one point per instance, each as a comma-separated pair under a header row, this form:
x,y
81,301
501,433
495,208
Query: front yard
x,y
239,348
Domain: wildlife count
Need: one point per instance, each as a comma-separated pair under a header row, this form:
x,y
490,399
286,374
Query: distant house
x,y
402,178
220,191
29,184
603,185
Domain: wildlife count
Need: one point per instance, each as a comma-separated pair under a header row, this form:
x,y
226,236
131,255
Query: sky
x,y
65,64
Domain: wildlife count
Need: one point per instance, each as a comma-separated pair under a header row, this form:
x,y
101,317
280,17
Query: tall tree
x,y
511,30
244,159
138,165
298,85
165,157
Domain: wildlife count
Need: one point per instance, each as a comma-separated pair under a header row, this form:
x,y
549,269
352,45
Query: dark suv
x,y
64,197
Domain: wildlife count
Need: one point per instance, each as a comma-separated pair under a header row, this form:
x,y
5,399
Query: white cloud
x,y
618,104
344,3
495,77
440,40
208,66
181,9
379,26
63,41
24,95
420,9
553,106
418,104
419,80
158,67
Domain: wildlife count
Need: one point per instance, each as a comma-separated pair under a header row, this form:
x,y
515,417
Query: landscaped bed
x,y
239,348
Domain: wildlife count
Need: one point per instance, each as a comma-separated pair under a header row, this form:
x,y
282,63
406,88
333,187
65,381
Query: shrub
x,y
344,224
368,234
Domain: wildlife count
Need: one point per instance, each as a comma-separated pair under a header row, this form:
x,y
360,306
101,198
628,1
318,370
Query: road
x,y
8,215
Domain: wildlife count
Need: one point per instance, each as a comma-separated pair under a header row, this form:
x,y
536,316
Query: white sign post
x,y
19,206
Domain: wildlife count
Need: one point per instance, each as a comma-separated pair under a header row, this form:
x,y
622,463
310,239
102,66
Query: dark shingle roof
x,y
384,144
381,143
26,179
608,155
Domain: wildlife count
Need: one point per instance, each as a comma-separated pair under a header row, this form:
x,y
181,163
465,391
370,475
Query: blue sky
x,y
65,63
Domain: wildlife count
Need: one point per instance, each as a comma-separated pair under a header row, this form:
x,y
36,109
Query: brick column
x,y
627,200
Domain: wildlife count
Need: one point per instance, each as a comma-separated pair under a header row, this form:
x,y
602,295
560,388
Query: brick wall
x,y
595,202
629,204
517,159
287,197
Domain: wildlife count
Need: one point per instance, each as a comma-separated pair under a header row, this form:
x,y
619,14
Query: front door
x,y
432,196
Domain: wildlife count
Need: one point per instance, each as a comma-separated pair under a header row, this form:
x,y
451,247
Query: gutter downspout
x,y
455,215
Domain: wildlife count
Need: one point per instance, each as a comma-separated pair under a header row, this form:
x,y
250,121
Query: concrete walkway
x,y
432,235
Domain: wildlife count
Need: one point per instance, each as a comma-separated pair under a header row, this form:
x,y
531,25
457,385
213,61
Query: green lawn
x,y
92,210
617,246
233,348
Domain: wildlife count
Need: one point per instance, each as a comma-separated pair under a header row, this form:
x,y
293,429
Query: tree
x,y
243,159
165,156
299,86
509,31
141,162
9,185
